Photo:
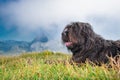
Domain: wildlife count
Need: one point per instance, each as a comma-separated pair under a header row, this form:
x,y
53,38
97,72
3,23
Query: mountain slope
x,y
37,44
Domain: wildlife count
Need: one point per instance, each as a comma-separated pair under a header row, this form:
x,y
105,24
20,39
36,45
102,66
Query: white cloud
x,y
37,12
33,14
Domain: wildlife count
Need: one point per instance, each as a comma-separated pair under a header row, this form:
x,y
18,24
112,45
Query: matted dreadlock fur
x,y
84,43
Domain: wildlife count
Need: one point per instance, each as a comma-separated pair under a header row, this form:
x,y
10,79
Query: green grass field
x,y
53,66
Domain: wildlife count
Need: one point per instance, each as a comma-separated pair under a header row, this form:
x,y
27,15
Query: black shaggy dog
x,y
85,44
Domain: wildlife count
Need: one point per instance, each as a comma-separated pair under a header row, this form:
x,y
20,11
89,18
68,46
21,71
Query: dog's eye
x,y
66,30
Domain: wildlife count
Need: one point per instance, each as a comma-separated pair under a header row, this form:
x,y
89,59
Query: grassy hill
x,y
52,66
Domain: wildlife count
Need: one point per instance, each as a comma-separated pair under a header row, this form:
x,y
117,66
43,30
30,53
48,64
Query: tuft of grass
x,y
49,65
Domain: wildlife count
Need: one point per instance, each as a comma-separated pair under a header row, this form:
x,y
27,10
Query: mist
x,y
36,17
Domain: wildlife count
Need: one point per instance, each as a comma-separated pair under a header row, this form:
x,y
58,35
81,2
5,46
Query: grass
x,y
52,66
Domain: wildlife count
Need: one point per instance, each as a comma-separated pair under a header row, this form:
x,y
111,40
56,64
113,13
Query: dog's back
x,y
117,44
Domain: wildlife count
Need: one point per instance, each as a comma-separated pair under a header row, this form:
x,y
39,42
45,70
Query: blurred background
x,y
36,25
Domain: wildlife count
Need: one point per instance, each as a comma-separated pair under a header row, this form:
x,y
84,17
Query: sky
x,y
27,19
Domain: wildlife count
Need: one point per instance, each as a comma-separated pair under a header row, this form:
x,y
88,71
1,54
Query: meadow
x,y
49,65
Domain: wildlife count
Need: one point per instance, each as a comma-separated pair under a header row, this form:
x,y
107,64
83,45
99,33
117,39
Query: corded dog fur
x,y
85,44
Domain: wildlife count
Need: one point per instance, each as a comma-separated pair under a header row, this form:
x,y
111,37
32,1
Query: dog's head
x,y
77,33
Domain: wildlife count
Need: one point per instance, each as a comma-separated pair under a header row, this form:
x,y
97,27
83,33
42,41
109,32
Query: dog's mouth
x,y
68,44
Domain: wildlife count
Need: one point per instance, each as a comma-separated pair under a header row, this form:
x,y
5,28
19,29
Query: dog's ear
x,y
87,30
87,34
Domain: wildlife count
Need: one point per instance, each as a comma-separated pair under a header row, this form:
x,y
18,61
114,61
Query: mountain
x,y
37,44
11,46
42,39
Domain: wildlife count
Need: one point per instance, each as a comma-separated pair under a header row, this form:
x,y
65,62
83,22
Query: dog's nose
x,y
63,33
